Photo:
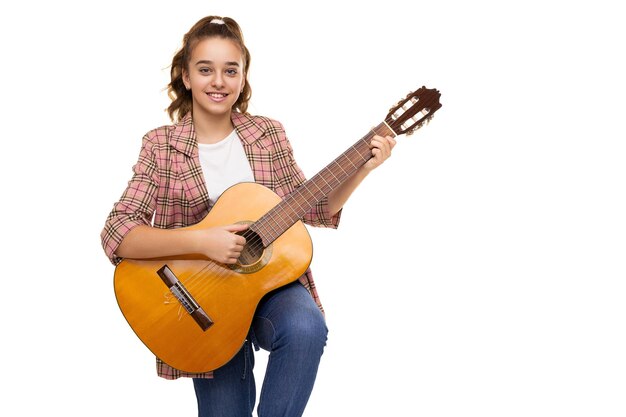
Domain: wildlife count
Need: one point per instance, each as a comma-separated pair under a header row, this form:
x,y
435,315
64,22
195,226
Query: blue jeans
x,y
289,325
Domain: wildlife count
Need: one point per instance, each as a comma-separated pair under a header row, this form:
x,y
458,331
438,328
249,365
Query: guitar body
x,y
228,296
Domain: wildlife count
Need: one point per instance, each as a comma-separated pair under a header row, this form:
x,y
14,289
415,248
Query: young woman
x,y
181,171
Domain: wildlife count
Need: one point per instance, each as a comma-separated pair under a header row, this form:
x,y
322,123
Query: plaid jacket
x,y
168,190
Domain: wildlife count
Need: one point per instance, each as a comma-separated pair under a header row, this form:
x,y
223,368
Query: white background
x,y
479,272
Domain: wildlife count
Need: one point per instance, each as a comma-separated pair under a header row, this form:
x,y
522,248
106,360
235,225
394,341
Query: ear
x,y
186,80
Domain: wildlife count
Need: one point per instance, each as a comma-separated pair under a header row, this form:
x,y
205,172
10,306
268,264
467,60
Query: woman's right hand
x,y
221,243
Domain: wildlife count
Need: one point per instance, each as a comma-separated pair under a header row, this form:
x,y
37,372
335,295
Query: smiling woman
x,y
216,79
170,210
209,75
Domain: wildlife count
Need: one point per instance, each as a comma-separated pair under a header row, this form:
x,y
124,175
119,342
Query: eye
x,y
204,70
231,71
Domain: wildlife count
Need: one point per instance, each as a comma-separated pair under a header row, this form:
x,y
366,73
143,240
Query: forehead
x,y
216,49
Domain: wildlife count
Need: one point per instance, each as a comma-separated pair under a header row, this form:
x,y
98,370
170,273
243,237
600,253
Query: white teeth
x,y
218,95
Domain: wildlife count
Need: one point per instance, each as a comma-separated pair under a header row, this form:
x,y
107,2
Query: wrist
x,y
364,170
192,241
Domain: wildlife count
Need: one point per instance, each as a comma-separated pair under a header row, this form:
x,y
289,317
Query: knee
x,y
307,333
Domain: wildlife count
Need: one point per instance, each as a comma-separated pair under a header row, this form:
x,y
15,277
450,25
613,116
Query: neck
x,y
294,206
211,128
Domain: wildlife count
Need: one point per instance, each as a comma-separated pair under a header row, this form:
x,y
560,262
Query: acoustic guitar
x,y
194,313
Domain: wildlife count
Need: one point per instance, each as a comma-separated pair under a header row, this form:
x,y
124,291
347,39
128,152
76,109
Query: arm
x,y
381,150
128,232
218,243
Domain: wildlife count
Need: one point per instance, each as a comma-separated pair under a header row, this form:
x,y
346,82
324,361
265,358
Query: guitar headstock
x,y
412,112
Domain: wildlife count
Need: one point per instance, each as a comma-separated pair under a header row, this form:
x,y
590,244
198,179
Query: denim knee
x,y
309,333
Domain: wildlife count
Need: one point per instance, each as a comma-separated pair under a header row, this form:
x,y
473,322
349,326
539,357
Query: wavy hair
x,y
206,27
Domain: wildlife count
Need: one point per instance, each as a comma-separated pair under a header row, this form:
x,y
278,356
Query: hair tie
x,y
218,21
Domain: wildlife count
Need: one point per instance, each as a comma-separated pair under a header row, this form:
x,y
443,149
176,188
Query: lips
x,y
217,96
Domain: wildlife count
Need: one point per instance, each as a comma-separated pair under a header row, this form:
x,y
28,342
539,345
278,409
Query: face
x,y
215,76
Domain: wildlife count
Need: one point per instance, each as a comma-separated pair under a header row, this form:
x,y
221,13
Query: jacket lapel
x,y
186,166
259,157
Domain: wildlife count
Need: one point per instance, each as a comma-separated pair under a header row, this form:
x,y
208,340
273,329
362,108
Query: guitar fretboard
x,y
293,207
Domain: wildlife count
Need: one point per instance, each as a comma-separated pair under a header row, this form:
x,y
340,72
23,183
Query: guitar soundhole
x,y
254,255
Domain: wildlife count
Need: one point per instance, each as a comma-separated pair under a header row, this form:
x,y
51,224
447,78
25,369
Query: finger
x,y
376,140
233,256
237,227
234,247
386,145
382,143
380,148
389,141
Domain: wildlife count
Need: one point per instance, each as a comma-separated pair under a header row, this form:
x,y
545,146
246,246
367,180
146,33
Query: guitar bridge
x,y
184,297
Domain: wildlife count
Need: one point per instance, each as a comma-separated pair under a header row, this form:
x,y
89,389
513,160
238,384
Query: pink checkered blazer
x,y
167,189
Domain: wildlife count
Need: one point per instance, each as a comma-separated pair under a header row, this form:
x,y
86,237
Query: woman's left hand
x,y
381,150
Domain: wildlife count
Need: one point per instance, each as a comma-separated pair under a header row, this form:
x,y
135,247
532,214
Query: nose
x,y
218,80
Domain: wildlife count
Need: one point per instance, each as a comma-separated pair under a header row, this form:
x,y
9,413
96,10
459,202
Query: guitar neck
x,y
293,207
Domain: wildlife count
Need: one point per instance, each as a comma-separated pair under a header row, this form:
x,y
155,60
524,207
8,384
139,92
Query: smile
x,y
217,96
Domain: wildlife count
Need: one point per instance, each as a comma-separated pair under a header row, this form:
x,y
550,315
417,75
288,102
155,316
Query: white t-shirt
x,y
224,164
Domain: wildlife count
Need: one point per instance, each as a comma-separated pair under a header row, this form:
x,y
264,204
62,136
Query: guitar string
x,y
193,282
256,241
296,197
199,288
257,244
205,286
278,225
281,224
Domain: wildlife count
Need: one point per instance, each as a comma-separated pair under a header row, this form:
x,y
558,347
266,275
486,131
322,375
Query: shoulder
x,y
158,136
261,132
268,123
153,142
256,126
178,136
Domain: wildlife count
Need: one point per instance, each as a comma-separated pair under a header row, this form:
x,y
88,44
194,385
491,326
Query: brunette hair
x,y
207,27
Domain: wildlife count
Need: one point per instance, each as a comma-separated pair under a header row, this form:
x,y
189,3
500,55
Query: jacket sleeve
x,y
136,205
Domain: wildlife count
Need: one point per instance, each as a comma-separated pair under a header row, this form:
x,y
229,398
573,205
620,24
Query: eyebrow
x,y
228,63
